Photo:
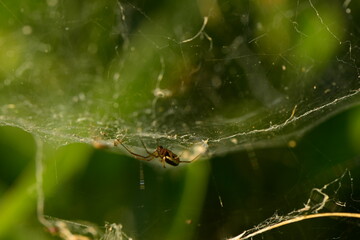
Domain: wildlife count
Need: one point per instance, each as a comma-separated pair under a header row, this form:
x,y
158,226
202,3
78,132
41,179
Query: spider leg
x,y
195,158
163,162
147,158
146,148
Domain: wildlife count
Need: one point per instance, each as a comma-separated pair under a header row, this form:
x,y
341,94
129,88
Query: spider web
x,y
320,201
119,70
200,77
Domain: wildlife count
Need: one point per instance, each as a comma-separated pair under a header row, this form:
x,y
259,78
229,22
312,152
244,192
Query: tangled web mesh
x,y
322,202
69,230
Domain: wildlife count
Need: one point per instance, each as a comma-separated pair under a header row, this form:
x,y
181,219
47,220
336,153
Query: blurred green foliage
x,y
73,72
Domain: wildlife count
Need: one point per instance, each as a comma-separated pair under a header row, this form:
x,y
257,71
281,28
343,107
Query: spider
x,y
164,154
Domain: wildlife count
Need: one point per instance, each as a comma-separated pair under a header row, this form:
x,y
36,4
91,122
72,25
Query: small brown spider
x,y
164,154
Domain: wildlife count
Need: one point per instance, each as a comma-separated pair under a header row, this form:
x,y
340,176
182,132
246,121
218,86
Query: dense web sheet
x,y
229,73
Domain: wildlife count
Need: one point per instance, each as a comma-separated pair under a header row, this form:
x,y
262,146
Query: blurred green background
x,y
266,72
